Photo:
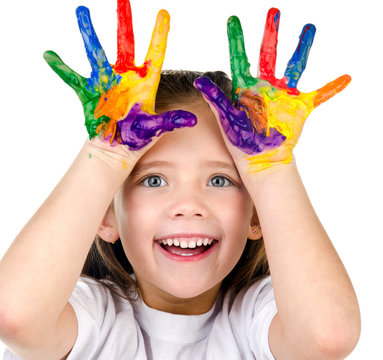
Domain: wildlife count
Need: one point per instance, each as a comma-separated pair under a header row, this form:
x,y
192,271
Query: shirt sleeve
x,y
264,311
9,355
255,308
97,311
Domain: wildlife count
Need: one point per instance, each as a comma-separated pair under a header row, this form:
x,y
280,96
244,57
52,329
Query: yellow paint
x,y
133,88
287,113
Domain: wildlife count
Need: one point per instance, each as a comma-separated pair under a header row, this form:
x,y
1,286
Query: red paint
x,y
142,70
268,53
125,42
125,37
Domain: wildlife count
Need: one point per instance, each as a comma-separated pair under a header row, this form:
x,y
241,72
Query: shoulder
x,y
97,300
249,314
101,315
257,294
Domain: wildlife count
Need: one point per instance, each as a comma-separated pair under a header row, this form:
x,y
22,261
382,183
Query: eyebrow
x,y
139,168
221,164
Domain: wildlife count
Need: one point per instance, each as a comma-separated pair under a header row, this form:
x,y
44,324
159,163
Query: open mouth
x,y
186,248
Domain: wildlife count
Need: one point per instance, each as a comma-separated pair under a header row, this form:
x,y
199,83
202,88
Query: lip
x,y
181,258
186,236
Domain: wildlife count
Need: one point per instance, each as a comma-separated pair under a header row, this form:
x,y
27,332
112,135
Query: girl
x,y
180,255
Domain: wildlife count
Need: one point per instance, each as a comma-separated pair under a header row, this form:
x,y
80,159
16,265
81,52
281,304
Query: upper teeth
x,y
184,244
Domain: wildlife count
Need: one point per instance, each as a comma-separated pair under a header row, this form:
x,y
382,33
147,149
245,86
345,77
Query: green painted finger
x,y
240,66
71,77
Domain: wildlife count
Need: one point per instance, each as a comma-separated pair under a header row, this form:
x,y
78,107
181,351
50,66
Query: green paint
x,y
240,66
89,97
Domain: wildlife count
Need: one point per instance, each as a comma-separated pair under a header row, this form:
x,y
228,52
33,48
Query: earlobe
x,y
254,232
108,230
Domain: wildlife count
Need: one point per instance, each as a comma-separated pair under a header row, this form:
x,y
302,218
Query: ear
x,y
255,231
108,230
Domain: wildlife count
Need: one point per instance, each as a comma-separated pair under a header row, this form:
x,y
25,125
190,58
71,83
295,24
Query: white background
x,y
339,154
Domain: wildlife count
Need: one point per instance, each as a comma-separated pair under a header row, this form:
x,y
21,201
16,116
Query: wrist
x,y
115,166
270,178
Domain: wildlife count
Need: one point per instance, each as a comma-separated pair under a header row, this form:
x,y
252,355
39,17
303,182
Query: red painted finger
x,y
125,37
268,53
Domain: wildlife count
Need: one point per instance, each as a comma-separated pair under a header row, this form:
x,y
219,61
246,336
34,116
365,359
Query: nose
x,y
188,203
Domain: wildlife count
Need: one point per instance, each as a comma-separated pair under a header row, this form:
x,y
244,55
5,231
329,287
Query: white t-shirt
x,y
110,327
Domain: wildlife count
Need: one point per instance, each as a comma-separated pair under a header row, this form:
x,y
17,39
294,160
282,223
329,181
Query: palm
x,y
268,113
114,95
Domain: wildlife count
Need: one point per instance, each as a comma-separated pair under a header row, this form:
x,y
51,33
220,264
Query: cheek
x,y
136,218
235,214
137,207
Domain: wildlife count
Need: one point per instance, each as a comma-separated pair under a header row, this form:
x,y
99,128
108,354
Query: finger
x,y
240,66
71,77
170,120
297,63
157,47
125,37
268,53
229,116
138,128
235,123
94,50
329,90
216,97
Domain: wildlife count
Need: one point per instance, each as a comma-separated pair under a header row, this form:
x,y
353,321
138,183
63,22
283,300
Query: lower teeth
x,y
167,248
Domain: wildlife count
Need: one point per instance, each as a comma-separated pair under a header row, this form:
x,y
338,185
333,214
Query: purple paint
x,y
138,128
237,126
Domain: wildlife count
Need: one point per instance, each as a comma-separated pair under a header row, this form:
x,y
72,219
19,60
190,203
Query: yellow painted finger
x,y
157,47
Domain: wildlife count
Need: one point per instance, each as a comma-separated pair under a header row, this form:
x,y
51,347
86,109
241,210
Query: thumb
x,y
138,128
236,125
170,120
233,121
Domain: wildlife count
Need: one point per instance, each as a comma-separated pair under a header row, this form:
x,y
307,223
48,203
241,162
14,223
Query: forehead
x,y
201,142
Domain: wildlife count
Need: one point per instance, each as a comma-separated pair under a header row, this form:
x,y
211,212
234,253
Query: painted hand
x,y
267,115
118,101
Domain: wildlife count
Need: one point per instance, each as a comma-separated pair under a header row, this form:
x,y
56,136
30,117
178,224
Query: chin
x,y
186,290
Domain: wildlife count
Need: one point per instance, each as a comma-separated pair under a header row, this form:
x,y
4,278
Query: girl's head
x,y
184,189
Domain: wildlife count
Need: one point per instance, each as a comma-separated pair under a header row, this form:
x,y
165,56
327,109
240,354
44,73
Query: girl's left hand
x,y
267,116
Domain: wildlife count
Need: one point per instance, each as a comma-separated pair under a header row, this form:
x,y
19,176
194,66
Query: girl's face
x,y
185,188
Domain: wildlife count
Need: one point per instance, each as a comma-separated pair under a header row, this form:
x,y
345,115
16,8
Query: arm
x,y
318,315
40,270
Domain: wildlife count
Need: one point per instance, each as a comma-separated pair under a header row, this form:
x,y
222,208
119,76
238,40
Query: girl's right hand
x,y
118,101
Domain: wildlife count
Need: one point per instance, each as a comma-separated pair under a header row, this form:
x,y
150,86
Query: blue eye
x,y
153,181
220,181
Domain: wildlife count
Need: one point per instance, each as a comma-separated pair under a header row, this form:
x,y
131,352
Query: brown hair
x,y
108,261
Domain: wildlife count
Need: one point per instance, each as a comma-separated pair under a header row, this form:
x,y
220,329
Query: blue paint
x,y
102,77
297,63
276,21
